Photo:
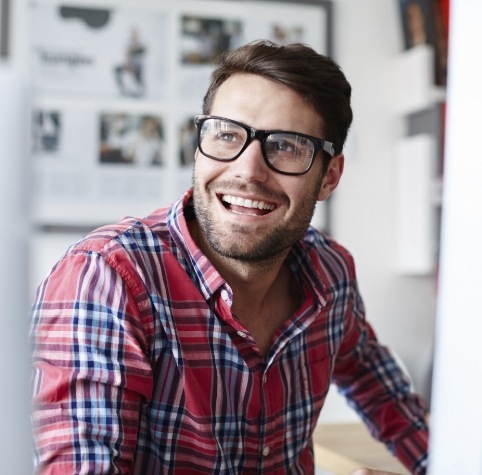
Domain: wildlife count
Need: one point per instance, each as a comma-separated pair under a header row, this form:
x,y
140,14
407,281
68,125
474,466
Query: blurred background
x,y
95,123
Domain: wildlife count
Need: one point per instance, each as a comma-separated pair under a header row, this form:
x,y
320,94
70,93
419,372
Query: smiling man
x,y
203,338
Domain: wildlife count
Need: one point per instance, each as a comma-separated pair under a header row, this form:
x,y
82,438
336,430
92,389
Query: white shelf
x,y
415,80
418,191
415,213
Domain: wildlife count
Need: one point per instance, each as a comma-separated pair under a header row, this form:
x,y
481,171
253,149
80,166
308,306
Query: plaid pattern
x,y
140,367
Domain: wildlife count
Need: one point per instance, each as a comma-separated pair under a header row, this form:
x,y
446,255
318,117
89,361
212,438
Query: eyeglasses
x,y
290,153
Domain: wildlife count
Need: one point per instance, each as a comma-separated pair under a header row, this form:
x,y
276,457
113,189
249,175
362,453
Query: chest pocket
x,y
311,378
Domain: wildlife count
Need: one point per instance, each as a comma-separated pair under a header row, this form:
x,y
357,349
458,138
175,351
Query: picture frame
x,y
417,21
91,80
423,23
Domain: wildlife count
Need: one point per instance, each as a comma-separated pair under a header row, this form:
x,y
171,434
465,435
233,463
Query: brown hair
x,y
316,77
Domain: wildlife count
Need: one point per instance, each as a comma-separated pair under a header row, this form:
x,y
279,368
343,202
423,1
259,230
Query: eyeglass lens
x,y
285,151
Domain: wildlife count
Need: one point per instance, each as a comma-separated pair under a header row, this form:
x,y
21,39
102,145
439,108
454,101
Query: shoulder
x,y
129,248
139,250
129,233
327,254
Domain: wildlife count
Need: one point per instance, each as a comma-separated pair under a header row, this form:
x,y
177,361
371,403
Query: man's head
x,y
263,159
315,77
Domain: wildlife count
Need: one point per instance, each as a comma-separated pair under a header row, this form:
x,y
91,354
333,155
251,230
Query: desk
x,y
341,448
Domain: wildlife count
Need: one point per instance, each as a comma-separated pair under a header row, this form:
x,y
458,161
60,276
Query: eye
x,y
228,133
278,144
283,146
229,137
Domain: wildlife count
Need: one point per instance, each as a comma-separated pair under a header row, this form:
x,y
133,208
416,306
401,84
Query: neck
x,y
251,281
265,293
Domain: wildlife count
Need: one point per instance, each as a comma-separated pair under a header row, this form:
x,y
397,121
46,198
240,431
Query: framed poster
x,y
4,28
114,101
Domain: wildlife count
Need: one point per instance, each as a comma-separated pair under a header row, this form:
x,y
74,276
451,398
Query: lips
x,y
247,206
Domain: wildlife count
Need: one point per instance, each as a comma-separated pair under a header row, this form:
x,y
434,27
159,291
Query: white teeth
x,y
238,201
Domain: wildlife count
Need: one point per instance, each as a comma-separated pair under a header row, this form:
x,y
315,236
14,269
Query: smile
x,y
239,205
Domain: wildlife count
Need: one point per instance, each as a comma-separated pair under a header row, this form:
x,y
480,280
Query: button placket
x,y
266,448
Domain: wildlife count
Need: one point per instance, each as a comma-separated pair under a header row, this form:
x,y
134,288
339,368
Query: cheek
x,y
202,164
304,192
206,170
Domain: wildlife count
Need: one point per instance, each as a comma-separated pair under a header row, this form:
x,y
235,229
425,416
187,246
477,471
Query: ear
x,y
332,177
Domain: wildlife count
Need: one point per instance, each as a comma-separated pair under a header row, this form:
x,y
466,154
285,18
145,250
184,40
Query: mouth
x,y
246,206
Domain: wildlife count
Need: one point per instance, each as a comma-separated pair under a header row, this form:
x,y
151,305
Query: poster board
x,y
114,100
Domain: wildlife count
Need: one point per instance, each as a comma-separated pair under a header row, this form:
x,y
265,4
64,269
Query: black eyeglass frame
x,y
261,135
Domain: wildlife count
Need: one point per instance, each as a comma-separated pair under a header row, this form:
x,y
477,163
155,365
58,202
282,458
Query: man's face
x,y
224,192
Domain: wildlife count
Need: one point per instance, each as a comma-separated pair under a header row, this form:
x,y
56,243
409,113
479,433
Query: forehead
x,y
265,104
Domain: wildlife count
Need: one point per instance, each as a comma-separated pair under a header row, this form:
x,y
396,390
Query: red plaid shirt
x,y
140,366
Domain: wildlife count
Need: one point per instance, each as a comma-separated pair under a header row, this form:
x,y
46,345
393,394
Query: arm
x,y
376,387
90,370
367,471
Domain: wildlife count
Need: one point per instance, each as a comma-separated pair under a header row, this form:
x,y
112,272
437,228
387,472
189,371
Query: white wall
x,y
14,401
457,408
14,233
368,38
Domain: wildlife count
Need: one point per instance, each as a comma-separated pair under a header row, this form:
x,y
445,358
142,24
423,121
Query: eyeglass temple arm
x,y
329,148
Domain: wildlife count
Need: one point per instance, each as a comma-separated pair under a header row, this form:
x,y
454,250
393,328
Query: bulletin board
x,y
115,89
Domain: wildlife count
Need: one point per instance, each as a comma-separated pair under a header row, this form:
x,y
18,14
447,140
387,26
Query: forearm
x,y
368,375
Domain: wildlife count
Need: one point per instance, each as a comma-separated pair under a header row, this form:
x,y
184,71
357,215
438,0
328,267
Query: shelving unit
x,y
419,162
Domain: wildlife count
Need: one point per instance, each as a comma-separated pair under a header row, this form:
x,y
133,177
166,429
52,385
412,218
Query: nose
x,y
250,165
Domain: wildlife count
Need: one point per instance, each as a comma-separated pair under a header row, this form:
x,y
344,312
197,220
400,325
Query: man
x,y
203,338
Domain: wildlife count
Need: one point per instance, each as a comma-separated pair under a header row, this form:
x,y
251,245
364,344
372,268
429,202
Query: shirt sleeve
x,y
91,373
374,384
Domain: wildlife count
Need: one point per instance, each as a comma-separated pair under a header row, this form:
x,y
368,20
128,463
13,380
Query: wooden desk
x,y
341,448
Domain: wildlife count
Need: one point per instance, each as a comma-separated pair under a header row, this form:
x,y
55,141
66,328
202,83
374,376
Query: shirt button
x,y
266,451
224,295
241,334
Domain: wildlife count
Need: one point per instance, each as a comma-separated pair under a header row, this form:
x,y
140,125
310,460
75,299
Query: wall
x,y
13,285
457,412
368,38
14,399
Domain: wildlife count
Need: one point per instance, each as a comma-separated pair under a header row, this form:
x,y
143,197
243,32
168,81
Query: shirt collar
x,y
209,279
303,258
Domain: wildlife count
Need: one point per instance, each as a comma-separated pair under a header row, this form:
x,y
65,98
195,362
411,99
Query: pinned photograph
x,y
283,35
131,140
187,142
114,52
129,74
46,131
204,39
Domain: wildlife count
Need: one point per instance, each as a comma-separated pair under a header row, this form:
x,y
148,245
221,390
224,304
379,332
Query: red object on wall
x,y
445,8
